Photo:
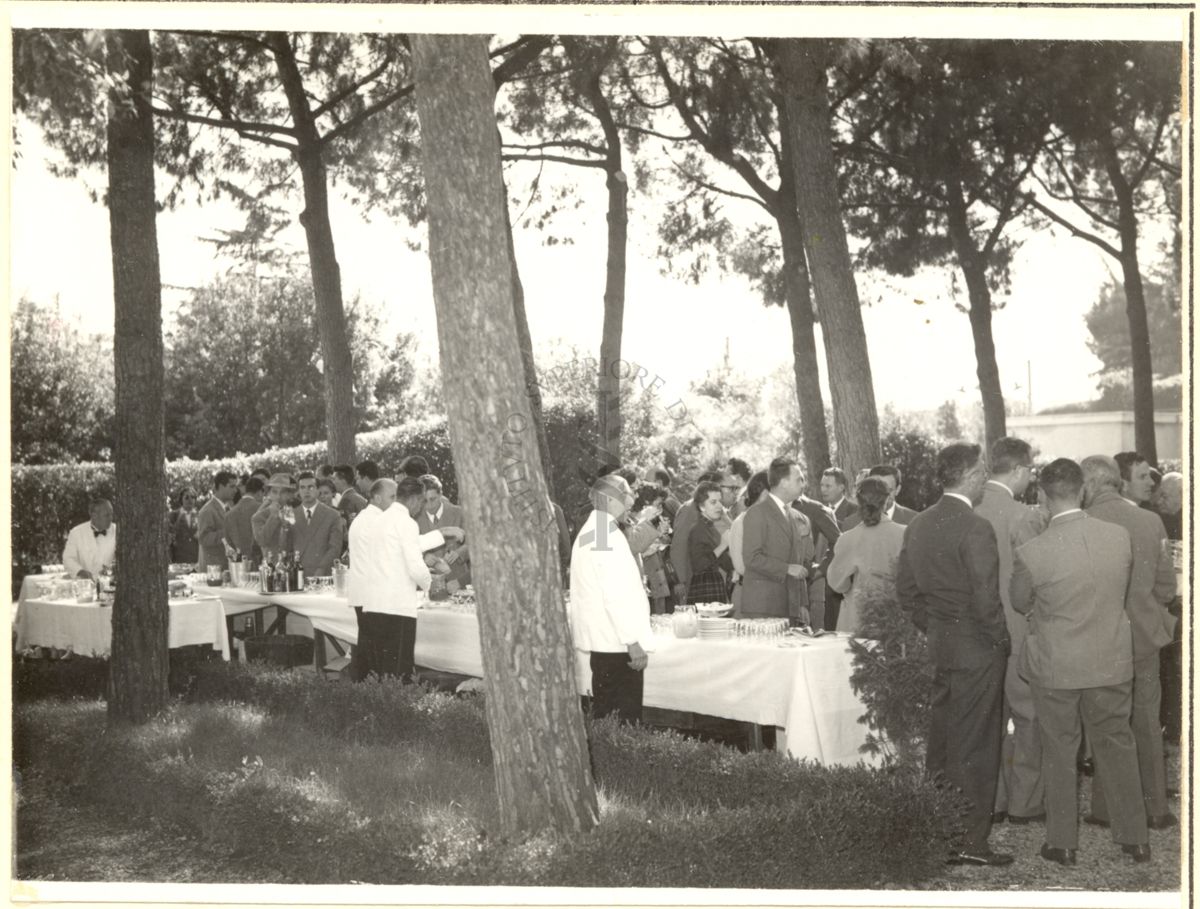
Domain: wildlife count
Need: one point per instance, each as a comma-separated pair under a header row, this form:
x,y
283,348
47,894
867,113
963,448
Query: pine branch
x,y
1075,231
366,113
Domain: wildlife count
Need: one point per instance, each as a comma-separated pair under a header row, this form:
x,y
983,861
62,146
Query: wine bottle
x,y
297,572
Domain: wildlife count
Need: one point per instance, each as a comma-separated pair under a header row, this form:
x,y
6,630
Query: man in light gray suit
x,y
777,545
1078,657
210,522
1151,588
1019,790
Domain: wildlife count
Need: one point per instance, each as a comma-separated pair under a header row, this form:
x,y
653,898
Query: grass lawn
x,y
301,780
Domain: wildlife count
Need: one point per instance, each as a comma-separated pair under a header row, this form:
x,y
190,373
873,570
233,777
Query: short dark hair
x,y
305,475
325,470
711,476
778,471
408,487
414,466
254,484
955,461
370,470
223,478
261,472
837,473
1126,461
703,491
886,470
755,487
327,483
346,472
1009,453
872,498
1061,479
648,494
662,475
429,481
740,469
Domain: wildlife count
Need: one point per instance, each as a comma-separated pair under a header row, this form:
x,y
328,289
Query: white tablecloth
x,y
86,628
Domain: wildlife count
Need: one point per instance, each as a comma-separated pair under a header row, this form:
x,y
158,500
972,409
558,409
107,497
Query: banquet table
x,y
86,628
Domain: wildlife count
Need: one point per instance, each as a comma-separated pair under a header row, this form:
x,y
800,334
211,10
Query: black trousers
x,y
965,732
833,606
1171,668
615,687
387,643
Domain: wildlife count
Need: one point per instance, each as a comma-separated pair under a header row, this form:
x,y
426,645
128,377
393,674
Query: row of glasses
x,y
760,630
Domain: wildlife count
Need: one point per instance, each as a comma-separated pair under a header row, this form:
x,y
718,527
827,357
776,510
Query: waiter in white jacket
x,y
610,615
386,568
91,545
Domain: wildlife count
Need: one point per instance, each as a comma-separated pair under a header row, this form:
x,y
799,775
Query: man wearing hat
x,y
279,489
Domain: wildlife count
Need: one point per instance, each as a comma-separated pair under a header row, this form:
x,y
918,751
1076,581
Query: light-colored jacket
x,y
1071,581
1015,524
87,552
386,566
608,609
210,531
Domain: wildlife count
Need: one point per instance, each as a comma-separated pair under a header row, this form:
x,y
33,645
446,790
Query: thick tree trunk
x,y
608,388
338,370
138,664
1135,308
538,743
974,269
804,345
802,64
533,387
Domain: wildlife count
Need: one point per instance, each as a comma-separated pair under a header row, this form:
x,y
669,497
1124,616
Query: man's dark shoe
x,y
1054,854
1095,821
1020,819
999,816
1161,821
985,859
1140,851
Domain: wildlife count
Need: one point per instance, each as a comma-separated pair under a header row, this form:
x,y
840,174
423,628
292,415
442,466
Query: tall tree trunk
x,y
802,63
608,388
1135,306
533,387
974,269
338,370
804,344
138,664
538,743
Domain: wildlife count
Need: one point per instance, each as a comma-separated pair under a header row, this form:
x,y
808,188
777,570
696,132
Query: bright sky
x,y
921,354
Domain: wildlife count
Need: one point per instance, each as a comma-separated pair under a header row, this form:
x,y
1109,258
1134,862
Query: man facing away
x,y
1078,657
351,501
1151,588
210,523
386,568
777,546
1019,788
92,545
948,579
609,612
239,527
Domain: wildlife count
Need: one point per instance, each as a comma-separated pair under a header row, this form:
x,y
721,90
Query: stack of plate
x,y
712,629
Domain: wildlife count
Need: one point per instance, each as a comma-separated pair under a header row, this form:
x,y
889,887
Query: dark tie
x,y
308,514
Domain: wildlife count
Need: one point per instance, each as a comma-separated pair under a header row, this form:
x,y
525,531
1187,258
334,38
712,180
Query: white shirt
x,y
608,608
436,516
735,544
87,552
1000,485
386,567
1063,514
961,498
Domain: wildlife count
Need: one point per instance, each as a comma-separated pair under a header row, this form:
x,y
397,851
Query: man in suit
x,y
92,545
280,487
777,549
351,501
368,473
1019,788
685,519
739,472
948,578
1078,657
239,529
825,530
386,568
210,523
437,512
833,492
1151,588
897,512
317,531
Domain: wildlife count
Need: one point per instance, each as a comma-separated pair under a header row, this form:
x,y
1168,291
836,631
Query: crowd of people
x,y
1048,620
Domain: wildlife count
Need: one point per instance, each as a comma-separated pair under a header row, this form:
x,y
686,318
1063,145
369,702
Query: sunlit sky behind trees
x,y
920,345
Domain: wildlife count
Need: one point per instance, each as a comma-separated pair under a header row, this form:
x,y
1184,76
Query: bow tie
x,y
99,533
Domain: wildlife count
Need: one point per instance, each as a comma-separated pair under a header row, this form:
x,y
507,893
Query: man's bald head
x,y
1170,493
611,493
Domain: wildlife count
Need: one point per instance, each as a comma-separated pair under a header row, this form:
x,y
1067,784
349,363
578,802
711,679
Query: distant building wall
x,y
1077,435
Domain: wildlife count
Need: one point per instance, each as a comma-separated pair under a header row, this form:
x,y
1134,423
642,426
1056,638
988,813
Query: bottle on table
x,y
297,573
281,576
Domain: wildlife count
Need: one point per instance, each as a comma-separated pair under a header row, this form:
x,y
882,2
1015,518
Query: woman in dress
x,y
185,548
864,559
649,537
708,549
755,490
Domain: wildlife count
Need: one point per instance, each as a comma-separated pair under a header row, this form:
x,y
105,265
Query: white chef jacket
x,y
386,566
87,552
609,610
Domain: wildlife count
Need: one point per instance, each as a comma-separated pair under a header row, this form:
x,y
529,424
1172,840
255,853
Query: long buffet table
x,y
801,686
